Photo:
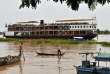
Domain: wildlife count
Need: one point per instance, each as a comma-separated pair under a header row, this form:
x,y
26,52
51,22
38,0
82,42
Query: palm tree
x,y
74,4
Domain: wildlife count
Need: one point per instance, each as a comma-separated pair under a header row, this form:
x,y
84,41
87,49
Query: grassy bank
x,y
11,39
49,41
53,41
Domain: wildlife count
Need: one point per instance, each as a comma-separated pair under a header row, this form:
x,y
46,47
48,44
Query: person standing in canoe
x,y
20,48
59,51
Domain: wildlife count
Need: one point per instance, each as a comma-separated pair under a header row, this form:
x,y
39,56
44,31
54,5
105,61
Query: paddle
x,y
23,55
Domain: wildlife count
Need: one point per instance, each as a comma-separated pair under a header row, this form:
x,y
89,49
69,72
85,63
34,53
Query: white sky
x,y
49,10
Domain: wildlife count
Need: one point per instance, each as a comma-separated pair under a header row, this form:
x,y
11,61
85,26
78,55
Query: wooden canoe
x,y
50,54
9,60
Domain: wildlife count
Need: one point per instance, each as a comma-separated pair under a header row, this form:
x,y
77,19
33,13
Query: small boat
x,y
50,54
79,39
88,67
9,60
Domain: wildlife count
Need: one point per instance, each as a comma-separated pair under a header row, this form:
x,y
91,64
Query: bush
x,y
39,42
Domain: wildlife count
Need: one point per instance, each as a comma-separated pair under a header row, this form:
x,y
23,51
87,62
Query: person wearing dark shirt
x,y
59,51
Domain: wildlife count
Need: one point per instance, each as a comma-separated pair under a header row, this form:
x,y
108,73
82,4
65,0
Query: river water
x,y
36,64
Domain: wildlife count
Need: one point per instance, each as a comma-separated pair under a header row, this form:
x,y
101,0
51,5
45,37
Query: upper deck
x,y
74,24
54,23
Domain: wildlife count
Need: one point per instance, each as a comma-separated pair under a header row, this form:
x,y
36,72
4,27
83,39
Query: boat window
x,y
90,26
84,26
33,33
81,26
78,26
73,26
94,26
87,26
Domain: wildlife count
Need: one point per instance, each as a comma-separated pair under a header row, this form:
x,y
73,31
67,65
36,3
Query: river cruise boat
x,y
88,67
85,28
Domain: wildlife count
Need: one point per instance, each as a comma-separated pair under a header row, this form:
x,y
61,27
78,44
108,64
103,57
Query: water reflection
x,y
102,38
9,68
59,62
21,67
59,70
59,59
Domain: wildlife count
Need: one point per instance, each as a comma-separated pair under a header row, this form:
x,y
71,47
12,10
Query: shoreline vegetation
x,y
104,32
53,41
49,41
12,40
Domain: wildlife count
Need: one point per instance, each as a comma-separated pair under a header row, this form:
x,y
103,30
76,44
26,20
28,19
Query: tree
x,y
106,32
103,31
74,4
98,31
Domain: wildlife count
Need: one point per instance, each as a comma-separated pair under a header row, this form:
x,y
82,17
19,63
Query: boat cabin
x,y
88,68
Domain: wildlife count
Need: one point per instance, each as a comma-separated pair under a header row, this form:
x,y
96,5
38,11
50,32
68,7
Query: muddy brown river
x,y
36,64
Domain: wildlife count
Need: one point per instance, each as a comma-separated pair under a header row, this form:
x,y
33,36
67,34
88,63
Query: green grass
x,y
8,39
53,41
50,41
12,39
39,42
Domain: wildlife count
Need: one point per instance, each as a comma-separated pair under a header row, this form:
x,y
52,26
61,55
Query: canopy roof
x,y
74,20
25,22
28,22
102,57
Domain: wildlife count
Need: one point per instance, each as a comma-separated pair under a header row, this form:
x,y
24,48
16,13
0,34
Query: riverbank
x,y
102,39
50,41
53,41
12,39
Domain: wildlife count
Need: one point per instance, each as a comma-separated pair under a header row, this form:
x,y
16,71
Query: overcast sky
x,y
49,10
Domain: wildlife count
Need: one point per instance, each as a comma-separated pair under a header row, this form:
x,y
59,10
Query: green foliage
x,y
56,39
103,31
92,43
63,42
39,42
74,42
98,31
74,4
106,32
106,43
69,42
46,42
8,39
49,42
22,41
103,43
57,42
11,39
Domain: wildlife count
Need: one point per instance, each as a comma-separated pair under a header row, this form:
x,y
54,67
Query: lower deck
x,y
50,34
53,36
